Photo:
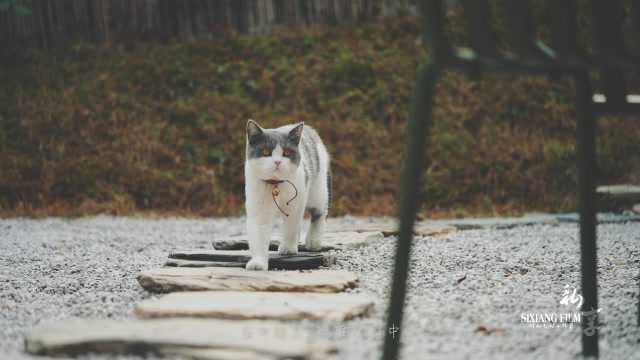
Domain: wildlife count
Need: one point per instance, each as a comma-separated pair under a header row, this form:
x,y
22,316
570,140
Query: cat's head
x,y
273,154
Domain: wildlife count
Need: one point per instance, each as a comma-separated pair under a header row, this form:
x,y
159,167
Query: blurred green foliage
x,y
160,127
18,7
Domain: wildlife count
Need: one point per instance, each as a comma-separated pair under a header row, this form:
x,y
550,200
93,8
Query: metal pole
x,y
586,132
417,133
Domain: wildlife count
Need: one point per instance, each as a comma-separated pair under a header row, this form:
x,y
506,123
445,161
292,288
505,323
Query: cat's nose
x,y
278,162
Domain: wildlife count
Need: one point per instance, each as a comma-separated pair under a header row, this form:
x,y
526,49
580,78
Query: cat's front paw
x,y
285,250
258,264
313,246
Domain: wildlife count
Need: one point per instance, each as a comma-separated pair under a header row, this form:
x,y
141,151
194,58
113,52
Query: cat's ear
x,y
296,133
253,130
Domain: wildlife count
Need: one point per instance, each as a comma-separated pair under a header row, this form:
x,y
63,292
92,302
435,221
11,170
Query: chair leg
x,y
417,133
586,164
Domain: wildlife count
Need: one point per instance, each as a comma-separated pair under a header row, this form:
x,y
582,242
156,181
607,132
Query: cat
x,y
292,161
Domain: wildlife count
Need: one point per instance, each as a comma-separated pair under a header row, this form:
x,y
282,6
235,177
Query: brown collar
x,y
275,192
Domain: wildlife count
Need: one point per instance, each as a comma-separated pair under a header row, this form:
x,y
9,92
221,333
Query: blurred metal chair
x,y
529,56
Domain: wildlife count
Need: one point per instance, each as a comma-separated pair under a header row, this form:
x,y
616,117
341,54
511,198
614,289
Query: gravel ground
x,y
56,268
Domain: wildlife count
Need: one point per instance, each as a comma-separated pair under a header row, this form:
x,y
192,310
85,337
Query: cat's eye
x,y
287,152
266,152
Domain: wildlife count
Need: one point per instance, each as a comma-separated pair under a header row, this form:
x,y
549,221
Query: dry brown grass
x,y
159,129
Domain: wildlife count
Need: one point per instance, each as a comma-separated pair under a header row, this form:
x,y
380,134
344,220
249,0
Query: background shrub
x,y
160,128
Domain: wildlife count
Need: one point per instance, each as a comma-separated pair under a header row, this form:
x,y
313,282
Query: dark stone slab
x,y
230,258
336,240
201,263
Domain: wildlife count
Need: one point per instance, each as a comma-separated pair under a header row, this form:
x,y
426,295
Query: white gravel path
x,y
55,268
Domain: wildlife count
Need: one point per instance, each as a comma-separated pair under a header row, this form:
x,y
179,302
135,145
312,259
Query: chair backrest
x,y
527,53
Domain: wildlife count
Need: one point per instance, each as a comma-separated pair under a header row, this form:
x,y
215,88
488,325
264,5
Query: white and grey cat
x,y
293,159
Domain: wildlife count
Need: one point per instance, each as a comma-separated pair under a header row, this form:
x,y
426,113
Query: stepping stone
x,y
636,208
430,229
171,279
617,198
628,191
331,241
603,218
256,305
191,338
420,229
501,222
204,258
